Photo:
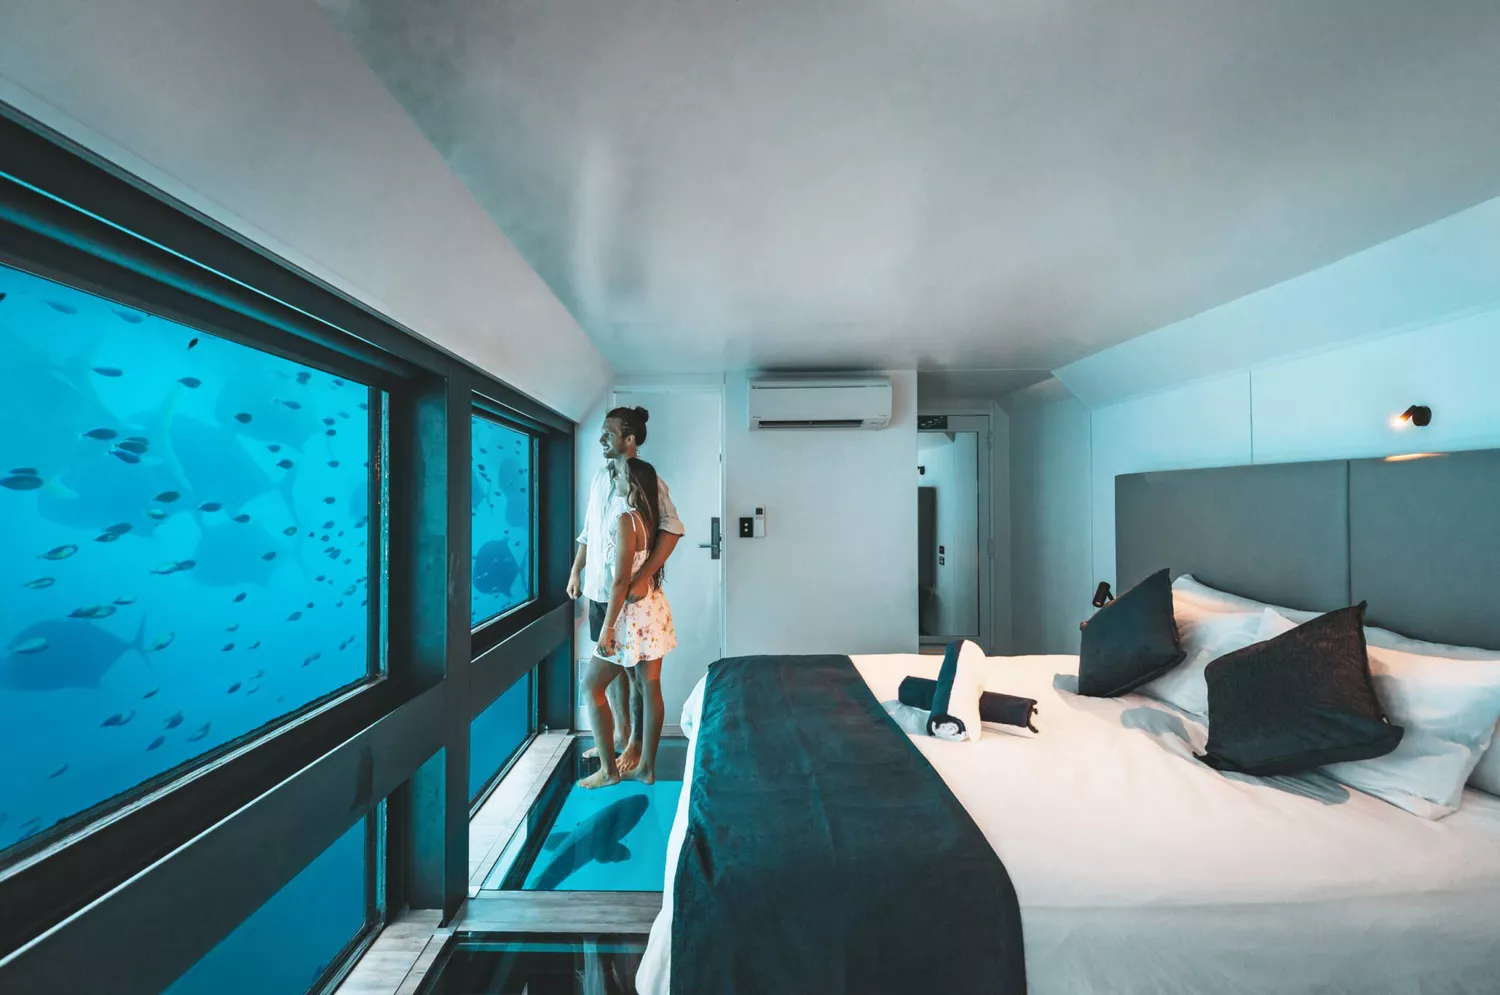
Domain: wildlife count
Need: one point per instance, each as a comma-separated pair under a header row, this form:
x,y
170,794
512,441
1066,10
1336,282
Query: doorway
x,y
954,547
684,441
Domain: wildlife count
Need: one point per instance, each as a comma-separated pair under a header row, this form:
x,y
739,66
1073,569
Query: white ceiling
x,y
941,184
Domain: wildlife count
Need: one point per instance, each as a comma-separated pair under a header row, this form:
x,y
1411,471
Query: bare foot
x,y
642,773
630,758
601,778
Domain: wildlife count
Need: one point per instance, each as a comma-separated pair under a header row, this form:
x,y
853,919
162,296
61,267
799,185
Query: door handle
x,y
715,539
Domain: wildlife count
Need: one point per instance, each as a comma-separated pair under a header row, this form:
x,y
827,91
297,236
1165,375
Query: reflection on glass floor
x,y
533,965
605,839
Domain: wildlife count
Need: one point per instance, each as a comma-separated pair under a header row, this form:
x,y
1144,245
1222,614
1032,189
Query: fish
x,y
239,597
58,553
255,645
303,377
107,537
294,616
56,773
152,693
210,506
311,659
119,528
596,839
331,432
191,383
233,688
64,653
350,589
273,447
243,418
333,463
92,611
495,569
156,514
101,433
241,519
290,530
174,720
158,741
328,421
109,371
250,691
227,647
161,642
294,405
257,675
192,343
64,308
118,719
286,464
26,471
126,316
167,497
268,557
200,733
21,482
124,601
329,500
171,567
233,627
137,446
41,582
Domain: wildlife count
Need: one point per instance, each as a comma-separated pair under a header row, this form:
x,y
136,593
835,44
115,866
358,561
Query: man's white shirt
x,y
604,507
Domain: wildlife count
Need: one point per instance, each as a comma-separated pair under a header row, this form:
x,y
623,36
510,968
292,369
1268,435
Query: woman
x,y
636,634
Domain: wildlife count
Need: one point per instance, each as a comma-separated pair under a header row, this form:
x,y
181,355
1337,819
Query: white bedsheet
x,y
1140,871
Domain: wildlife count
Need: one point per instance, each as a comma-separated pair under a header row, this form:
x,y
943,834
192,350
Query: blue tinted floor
x,y
531,965
605,839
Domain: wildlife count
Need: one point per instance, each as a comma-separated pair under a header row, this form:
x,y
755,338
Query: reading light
x,y
1102,596
1418,414
1402,458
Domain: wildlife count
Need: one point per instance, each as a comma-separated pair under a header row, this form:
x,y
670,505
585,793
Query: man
x,y
624,430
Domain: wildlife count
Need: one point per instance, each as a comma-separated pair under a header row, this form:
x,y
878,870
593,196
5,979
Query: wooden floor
x,y
502,812
628,912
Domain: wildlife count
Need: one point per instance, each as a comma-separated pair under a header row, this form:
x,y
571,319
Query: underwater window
x,y
498,732
291,944
501,519
186,551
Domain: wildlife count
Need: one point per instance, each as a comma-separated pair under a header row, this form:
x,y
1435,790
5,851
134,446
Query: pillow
x,y
1130,640
1206,636
1486,776
1300,700
955,701
1190,597
1448,708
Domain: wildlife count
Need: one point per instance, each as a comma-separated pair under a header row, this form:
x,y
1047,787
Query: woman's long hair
x,y
645,497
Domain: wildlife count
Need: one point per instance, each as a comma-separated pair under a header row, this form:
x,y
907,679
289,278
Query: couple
x,y
628,532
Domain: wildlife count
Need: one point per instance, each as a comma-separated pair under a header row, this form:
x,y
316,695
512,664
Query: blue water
x,y
500,491
185,548
607,839
497,732
285,946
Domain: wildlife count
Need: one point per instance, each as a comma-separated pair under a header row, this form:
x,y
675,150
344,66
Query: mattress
x,y
1139,870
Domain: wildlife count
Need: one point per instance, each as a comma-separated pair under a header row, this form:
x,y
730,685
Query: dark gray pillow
x,y
1298,701
1130,641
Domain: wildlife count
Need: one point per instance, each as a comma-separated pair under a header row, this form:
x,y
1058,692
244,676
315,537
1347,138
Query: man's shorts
x,y
597,610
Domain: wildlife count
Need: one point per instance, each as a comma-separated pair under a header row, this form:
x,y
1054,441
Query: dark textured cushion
x,y
1130,641
1298,701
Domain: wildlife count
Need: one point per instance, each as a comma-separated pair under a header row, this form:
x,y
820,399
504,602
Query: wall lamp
x,y
1102,595
1418,414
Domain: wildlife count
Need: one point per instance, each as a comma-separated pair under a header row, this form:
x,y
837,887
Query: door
x,y
953,523
684,442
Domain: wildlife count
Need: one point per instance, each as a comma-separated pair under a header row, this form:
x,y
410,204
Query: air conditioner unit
x,y
820,402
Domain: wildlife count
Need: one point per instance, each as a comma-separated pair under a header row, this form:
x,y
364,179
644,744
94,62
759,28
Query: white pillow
x,y
963,700
1448,709
1205,636
1189,596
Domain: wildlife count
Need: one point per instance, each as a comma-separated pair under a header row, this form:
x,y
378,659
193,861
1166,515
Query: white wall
x,y
1050,549
1331,405
1445,270
836,572
260,115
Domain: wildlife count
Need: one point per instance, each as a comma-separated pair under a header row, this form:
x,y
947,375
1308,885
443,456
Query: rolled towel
x,y
955,698
1001,709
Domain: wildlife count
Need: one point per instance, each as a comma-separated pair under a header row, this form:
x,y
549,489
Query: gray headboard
x,y
1418,539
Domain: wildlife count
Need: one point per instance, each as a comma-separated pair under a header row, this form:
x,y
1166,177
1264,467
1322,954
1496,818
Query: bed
x,y
1138,869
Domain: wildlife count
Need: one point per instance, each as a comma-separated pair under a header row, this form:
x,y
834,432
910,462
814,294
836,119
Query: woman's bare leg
x,y
596,683
622,711
647,675
630,756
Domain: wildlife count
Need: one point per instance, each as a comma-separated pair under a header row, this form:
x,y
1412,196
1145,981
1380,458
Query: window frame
x,y
90,899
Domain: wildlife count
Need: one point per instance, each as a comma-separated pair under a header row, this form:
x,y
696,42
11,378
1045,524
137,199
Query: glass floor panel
x,y
601,839
533,965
